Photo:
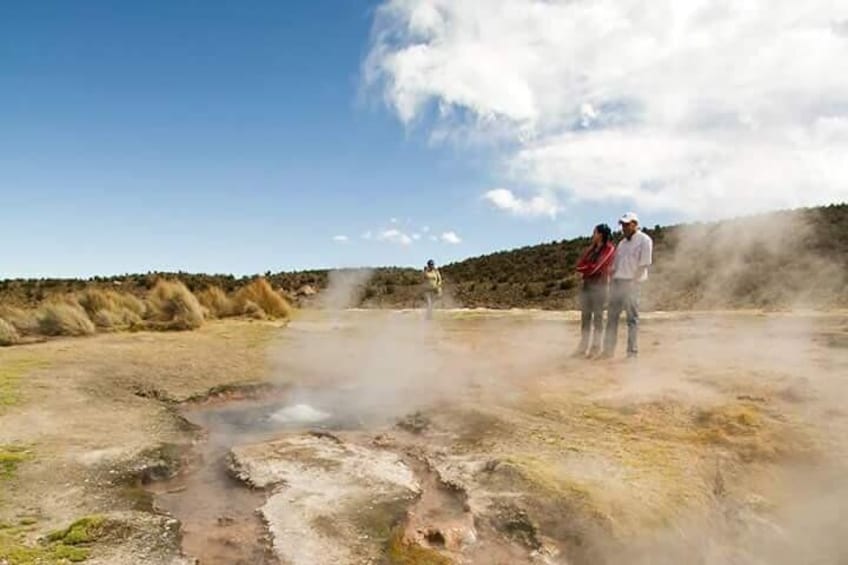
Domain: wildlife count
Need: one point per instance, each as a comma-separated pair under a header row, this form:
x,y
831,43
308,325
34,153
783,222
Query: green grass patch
x,y
10,458
11,373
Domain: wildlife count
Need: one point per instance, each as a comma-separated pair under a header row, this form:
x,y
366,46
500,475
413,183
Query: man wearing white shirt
x,y
633,256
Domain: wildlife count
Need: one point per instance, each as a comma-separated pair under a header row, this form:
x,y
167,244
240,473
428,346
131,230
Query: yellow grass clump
x,y
118,319
174,307
63,318
24,321
254,311
260,293
110,310
94,300
216,301
8,334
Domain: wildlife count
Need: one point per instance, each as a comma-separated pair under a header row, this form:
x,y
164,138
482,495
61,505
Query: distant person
x,y
633,256
433,286
595,265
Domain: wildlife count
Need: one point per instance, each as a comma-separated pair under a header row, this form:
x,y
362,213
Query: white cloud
x,y
434,238
416,236
536,206
394,236
694,105
341,238
368,236
451,237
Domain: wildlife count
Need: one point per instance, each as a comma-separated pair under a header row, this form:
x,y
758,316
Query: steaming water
x,y
219,524
299,414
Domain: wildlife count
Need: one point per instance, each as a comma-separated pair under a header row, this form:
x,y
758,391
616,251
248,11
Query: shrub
x,y
62,318
174,307
261,293
217,302
8,334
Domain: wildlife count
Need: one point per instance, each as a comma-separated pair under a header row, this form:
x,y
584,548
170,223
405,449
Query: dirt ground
x,y
375,437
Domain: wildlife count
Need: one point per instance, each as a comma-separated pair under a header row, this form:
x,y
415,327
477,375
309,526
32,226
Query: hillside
x,y
776,260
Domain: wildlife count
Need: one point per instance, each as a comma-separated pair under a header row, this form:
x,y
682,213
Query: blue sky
x,y
224,136
217,137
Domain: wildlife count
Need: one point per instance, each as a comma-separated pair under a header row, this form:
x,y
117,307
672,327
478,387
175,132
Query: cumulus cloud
x,y
505,200
451,237
341,238
696,106
394,236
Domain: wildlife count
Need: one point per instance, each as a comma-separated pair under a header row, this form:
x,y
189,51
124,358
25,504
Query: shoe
x,y
632,356
579,354
604,355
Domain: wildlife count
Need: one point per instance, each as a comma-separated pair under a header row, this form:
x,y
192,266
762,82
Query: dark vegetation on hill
x,y
776,260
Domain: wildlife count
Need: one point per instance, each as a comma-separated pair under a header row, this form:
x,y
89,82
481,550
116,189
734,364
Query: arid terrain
x,y
376,437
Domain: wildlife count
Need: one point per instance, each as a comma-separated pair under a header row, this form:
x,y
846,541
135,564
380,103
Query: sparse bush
x,y
63,318
261,293
254,311
8,334
174,307
217,302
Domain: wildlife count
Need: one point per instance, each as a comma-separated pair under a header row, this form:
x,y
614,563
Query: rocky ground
x,y
374,437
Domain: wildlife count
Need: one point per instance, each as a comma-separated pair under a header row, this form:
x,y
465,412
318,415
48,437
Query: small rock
x,y
383,440
225,520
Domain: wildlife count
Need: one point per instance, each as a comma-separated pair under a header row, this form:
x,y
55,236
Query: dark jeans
x,y
624,295
593,297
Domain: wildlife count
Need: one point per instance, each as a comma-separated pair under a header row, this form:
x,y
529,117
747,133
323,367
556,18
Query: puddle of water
x,y
220,525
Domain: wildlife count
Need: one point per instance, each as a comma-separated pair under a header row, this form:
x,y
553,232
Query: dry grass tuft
x,y
118,319
254,311
261,293
112,310
24,321
217,302
8,334
174,307
94,300
63,318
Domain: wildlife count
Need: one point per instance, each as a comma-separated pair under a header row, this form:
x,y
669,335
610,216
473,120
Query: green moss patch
x,y
69,545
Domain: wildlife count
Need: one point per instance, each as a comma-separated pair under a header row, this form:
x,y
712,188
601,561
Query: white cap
x,y
629,217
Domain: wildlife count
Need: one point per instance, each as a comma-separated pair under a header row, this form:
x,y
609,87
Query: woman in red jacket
x,y
595,265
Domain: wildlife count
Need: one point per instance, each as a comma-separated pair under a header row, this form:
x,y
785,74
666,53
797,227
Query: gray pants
x,y
624,295
593,297
432,299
